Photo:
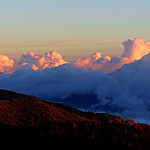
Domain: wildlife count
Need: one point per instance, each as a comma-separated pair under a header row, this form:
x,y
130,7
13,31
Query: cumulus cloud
x,y
35,61
133,50
6,64
124,91
104,63
87,62
40,62
136,49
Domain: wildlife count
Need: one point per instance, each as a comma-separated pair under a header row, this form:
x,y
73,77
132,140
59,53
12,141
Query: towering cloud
x,y
136,49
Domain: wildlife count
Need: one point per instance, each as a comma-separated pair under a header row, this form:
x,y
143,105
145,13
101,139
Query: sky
x,y
72,28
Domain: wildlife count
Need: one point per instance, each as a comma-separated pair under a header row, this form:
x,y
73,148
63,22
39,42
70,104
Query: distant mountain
x,y
79,101
89,102
27,116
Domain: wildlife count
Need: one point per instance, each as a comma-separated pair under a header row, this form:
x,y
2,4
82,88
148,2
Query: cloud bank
x,y
133,50
121,85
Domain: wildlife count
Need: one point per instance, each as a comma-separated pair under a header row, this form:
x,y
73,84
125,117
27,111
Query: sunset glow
x,y
76,71
133,50
71,28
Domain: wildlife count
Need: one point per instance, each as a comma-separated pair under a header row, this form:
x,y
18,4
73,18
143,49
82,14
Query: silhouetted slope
x,y
22,115
103,117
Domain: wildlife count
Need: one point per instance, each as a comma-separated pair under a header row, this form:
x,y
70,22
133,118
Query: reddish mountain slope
x,y
18,109
22,115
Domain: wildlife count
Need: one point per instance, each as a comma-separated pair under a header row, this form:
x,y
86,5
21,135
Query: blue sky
x,y
73,28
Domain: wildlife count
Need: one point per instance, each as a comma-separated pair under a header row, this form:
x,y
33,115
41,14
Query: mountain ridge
x,y
23,115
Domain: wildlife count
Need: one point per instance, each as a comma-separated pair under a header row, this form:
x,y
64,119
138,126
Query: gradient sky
x,y
73,28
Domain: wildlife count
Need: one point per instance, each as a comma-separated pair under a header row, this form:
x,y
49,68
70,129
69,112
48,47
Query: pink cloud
x,y
136,49
40,62
6,64
133,50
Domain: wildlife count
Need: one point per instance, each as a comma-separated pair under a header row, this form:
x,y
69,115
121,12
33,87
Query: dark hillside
x,y
27,116
18,109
